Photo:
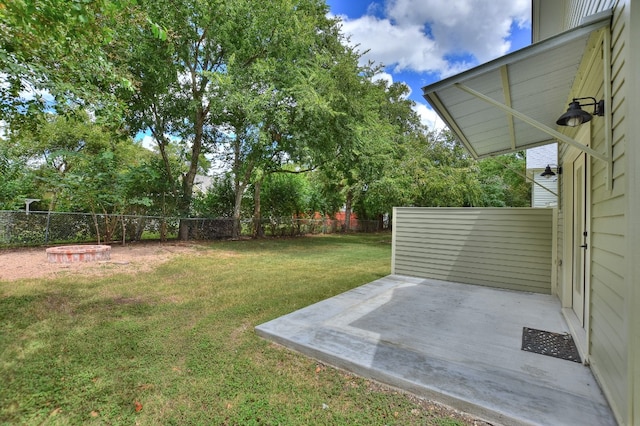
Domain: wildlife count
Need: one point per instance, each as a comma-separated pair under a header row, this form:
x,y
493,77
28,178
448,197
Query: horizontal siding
x,y
608,257
608,317
504,248
540,196
608,312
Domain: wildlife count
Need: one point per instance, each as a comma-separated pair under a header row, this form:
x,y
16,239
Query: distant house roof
x,y
540,157
202,183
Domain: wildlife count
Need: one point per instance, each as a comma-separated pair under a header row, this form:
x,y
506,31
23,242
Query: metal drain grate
x,y
552,344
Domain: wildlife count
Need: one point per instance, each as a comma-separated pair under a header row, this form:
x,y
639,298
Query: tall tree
x,y
383,182
174,75
372,123
278,91
228,79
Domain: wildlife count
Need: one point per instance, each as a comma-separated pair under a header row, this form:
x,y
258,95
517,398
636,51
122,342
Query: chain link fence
x,y
34,228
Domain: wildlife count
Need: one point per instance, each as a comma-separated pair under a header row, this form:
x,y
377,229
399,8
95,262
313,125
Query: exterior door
x,y
580,238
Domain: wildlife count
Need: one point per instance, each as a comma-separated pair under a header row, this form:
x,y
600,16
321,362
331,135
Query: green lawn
x,y
177,345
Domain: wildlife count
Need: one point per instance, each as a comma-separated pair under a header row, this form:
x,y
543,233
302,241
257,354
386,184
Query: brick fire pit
x,y
80,253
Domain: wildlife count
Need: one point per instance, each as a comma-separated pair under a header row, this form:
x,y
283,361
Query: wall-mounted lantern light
x,y
547,172
550,173
575,115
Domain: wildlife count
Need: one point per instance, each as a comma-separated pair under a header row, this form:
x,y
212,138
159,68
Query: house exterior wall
x,y
613,352
506,248
547,18
541,197
578,9
537,159
632,17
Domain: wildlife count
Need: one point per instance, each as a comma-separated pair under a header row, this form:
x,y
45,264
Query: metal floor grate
x,y
552,344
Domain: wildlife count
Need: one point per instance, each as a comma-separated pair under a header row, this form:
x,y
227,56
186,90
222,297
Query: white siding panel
x,y
504,248
540,196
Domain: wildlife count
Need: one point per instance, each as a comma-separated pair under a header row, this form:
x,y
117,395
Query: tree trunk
x,y
258,231
237,208
241,175
183,230
190,176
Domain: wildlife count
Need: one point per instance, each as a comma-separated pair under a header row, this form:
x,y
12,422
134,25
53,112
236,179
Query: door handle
x,y
584,246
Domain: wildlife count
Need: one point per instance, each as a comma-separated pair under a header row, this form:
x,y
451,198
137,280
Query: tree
x,y
17,181
218,201
503,181
232,76
376,121
285,195
60,151
277,93
384,183
57,55
53,145
173,75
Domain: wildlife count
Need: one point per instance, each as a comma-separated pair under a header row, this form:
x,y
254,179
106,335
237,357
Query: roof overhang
x,y
512,103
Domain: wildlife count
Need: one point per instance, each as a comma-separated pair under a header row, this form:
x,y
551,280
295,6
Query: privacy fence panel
x,y
508,248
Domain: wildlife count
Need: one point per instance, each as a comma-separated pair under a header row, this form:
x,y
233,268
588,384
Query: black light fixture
x,y
575,115
547,172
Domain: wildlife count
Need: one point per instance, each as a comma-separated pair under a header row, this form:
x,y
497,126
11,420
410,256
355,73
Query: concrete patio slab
x,y
454,343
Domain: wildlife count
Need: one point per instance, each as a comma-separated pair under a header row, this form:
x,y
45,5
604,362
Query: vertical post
x,y
608,107
28,202
46,231
554,252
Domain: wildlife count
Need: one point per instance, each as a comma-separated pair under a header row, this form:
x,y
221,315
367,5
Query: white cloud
x,y
480,28
419,35
391,45
149,142
383,76
429,117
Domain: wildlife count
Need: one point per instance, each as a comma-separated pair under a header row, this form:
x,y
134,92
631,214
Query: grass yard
x,y
176,345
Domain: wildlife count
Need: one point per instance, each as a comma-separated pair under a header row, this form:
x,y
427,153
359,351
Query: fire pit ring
x,y
80,253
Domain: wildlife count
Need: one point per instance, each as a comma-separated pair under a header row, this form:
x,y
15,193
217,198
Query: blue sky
x,y
422,41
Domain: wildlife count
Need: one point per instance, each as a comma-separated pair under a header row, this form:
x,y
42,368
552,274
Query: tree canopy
x,y
269,92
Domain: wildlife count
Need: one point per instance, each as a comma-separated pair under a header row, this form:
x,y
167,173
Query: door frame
x,y
579,331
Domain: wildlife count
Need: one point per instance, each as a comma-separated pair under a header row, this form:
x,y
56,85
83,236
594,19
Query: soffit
x,y
535,81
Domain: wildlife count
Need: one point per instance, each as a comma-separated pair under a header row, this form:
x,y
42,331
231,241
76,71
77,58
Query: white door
x,y
580,238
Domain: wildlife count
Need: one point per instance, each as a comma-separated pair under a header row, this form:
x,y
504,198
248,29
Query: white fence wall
x,y
508,248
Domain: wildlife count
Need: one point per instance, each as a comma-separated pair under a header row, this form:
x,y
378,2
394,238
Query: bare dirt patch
x,y
132,258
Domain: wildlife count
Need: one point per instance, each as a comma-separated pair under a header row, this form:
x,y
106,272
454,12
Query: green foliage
x,y
217,201
16,179
79,165
434,170
450,177
57,53
231,65
257,86
285,195
503,182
